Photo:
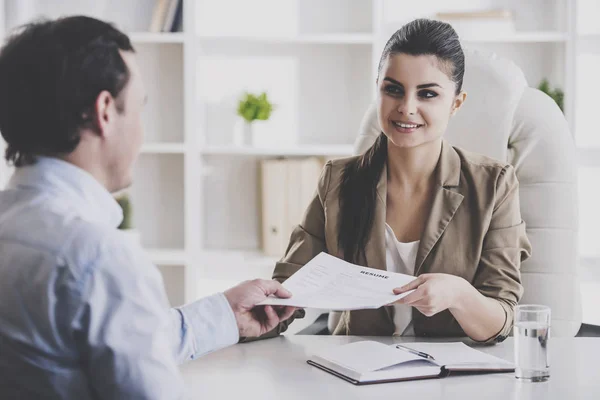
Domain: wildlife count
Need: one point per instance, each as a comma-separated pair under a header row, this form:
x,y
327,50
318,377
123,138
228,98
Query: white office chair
x,y
506,119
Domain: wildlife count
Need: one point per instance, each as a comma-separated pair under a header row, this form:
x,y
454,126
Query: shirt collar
x,y
76,187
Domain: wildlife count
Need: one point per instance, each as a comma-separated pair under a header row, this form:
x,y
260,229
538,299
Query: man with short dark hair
x,y
83,313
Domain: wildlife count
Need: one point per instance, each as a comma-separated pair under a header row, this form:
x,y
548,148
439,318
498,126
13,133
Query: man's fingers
x,y
286,313
410,286
274,287
271,318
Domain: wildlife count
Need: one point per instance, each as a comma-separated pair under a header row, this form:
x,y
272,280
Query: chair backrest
x,y
506,119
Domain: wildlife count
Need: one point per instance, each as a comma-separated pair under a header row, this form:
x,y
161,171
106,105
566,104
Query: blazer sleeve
x,y
505,246
306,241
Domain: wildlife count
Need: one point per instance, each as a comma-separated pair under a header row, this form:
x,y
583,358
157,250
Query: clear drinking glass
x,y
531,334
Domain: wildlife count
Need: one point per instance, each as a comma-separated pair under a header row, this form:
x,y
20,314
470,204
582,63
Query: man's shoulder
x,y
96,248
67,239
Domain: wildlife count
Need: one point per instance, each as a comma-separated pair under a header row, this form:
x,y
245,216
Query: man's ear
x,y
104,111
459,100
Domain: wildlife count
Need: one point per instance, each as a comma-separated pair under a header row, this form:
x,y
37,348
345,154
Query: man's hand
x,y
255,320
434,293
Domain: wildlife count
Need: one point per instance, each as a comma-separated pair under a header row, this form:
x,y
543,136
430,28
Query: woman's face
x,y
416,99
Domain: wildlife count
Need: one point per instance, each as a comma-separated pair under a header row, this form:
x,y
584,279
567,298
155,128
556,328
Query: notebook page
x,y
457,353
367,356
408,370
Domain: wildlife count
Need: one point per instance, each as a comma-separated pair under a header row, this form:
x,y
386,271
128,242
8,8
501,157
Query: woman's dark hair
x,y
51,73
358,190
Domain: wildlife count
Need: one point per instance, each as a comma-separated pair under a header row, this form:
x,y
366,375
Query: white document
x,y
327,282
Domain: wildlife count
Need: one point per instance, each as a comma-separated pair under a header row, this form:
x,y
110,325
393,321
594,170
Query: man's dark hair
x,y
51,73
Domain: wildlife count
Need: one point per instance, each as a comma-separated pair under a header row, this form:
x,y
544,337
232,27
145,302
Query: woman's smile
x,y
405,127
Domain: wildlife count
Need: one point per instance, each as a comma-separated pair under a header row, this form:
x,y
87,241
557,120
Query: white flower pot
x,y
242,133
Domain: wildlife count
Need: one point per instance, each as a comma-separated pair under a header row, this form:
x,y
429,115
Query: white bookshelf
x,y
176,257
332,38
163,148
295,151
520,37
156,38
196,195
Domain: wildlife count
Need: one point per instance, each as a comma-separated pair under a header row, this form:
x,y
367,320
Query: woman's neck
x,y
413,168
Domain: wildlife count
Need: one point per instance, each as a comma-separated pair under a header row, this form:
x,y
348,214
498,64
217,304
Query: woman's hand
x,y
434,293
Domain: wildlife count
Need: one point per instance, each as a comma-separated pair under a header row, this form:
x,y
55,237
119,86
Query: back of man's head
x,y
51,73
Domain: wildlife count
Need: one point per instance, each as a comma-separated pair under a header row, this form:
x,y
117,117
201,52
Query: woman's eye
x,y
392,89
427,94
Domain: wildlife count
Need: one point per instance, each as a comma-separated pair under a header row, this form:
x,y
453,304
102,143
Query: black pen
x,y
415,352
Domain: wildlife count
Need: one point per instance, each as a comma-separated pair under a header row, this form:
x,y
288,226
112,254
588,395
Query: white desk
x,y
277,369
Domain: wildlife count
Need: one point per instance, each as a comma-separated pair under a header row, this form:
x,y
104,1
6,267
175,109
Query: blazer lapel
x,y
445,203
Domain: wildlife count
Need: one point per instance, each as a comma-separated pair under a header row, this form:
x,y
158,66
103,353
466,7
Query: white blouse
x,y
401,257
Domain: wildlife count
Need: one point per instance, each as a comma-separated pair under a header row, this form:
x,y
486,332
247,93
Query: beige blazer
x,y
474,231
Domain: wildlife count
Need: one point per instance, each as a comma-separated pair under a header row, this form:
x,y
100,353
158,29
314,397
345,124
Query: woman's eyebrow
x,y
387,78
428,85
423,86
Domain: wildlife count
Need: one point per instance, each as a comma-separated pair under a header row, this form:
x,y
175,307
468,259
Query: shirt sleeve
x,y
123,329
203,326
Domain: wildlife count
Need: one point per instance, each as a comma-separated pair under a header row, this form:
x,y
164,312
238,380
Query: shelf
x,y
519,37
588,157
222,269
163,37
237,263
339,38
589,35
167,256
301,150
163,148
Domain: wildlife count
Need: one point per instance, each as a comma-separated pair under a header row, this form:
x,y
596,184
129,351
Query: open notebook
x,y
373,362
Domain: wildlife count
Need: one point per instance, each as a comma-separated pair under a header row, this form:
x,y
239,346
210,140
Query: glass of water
x,y
531,334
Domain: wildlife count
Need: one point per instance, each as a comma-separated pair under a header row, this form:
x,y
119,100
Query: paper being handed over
x,y
330,283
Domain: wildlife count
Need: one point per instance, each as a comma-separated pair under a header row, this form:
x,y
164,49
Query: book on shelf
x,y
167,16
288,186
477,23
177,25
158,15
483,14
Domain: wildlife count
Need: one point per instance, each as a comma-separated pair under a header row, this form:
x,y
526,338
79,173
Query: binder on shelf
x,y
171,15
288,186
177,25
274,176
159,14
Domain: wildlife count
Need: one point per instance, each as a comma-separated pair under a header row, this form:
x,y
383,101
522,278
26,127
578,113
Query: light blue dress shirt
x,y
83,311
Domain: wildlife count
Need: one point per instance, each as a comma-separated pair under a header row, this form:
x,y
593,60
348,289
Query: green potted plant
x,y
556,94
253,109
126,226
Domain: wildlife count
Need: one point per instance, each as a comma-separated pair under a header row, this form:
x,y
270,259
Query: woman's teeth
x,y
405,126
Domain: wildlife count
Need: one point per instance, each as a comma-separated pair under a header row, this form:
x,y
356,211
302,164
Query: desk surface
x,y
277,369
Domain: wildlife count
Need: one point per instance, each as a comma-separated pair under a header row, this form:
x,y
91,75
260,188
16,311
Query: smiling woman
x,y
414,204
